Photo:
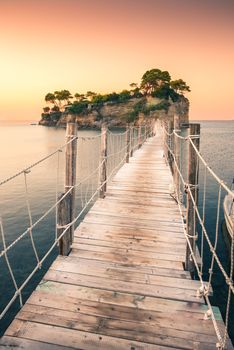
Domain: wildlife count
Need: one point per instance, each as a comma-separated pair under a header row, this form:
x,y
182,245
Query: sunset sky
x,y
103,45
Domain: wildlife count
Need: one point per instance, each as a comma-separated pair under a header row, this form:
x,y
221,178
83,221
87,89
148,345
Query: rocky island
x,y
157,96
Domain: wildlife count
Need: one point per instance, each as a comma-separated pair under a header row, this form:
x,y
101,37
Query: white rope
x,y
203,218
116,134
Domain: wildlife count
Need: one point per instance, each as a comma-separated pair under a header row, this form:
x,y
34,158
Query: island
x,y
156,96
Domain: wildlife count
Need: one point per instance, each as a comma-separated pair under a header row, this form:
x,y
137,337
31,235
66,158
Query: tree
x,y
77,107
55,109
133,85
135,91
59,98
90,95
124,96
179,86
46,109
154,79
50,98
79,97
63,96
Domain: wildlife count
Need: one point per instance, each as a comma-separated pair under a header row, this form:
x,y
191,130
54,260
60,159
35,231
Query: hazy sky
x,y
103,45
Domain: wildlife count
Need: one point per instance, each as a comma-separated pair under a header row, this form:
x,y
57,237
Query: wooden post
x,y
169,141
193,172
145,134
147,131
103,160
139,137
64,218
154,127
66,208
127,143
177,156
131,140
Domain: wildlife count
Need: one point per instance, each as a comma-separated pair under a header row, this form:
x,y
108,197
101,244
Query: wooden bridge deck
x,y
123,286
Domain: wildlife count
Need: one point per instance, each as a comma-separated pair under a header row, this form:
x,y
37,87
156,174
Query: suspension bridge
x,y
129,276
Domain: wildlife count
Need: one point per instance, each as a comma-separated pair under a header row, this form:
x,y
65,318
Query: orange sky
x,y
103,45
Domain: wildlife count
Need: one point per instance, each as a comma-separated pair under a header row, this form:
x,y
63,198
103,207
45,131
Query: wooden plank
x,y
167,202
163,255
83,263
153,247
123,275
128,313
119,298
73,338
164,214
120,329
7,342
139,189
104,219
162,218
129,260
136,233
123,286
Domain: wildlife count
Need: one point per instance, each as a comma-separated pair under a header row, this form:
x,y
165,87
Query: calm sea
x,y
22,145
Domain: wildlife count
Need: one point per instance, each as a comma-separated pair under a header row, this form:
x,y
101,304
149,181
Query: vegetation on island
x,y
154,83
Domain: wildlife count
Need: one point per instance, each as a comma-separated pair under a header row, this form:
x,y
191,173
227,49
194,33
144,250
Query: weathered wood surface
x,y
123,285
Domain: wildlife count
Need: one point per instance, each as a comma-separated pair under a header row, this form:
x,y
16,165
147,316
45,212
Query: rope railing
x,y
84,190
171,139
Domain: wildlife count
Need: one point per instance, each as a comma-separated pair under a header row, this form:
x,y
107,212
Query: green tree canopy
x,y
90,95
77,107
63,96
180,86
46,109
79,97
59,98
153,79
50,97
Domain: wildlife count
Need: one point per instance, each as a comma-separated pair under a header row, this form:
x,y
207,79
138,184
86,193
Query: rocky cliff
x,y
135,110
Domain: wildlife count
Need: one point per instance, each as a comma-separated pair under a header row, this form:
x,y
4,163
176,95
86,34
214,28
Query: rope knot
x,y
202,292
207,315
186,188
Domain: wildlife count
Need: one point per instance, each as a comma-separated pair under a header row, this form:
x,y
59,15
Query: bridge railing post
x,y
103,161
177,156
66,208
127,143
131,140
145,132
154,127
139,137
193,172
169,141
